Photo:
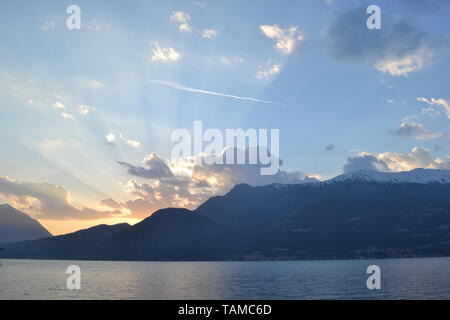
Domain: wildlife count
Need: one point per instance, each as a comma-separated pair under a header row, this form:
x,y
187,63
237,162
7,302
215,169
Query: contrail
x,y
188,89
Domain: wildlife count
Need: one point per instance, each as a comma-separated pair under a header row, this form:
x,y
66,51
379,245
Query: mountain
x,y
168,234
80,245
250,209
369,219
17,226
172,234
362,214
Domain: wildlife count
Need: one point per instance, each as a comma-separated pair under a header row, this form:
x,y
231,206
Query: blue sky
x,y
346,96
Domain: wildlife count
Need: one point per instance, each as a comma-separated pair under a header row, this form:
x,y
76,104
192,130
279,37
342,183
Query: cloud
x,y
364,162
133,143
110,139
66,115
398,49
199,4
84,109
419,157
232,60
192,90
329,147
154,168
110,203
45,200
48,25
91,83
187,182
94,25
416,131
59,105
272,71
182,19
445,104
404,66
164,54
209,33
286,39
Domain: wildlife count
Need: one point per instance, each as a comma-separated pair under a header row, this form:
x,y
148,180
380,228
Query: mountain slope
x,y
17,226
169,234
369,220
83,244
251,209
172,234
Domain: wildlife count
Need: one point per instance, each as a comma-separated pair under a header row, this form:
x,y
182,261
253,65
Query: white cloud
x,y
94,25
445,104
48,25
59,105
133,143
84,109
209,33
91,83
272,71
182,19
286,39
66,115
419,157
232,60
110,138
200,4
404,66
164,54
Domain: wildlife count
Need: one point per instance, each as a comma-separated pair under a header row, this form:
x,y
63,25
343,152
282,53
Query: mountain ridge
x,y
17,226
357,216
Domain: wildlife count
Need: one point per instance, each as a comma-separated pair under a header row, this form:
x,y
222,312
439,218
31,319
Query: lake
x,y
427,278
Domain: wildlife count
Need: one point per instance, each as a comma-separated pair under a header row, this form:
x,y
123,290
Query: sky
x,y
87,114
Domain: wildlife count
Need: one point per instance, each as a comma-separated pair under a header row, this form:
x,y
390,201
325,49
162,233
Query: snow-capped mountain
x,y
423,176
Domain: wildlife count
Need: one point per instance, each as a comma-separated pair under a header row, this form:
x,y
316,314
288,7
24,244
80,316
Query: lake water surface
x,y
427,278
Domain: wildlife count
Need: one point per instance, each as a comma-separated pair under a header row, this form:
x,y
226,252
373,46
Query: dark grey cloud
x,y
155,168
398,48
365,162
416,131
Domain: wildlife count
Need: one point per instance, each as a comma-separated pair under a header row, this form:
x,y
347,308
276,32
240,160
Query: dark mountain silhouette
x,y
172,234
357,215
83,244
17,226
369,220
